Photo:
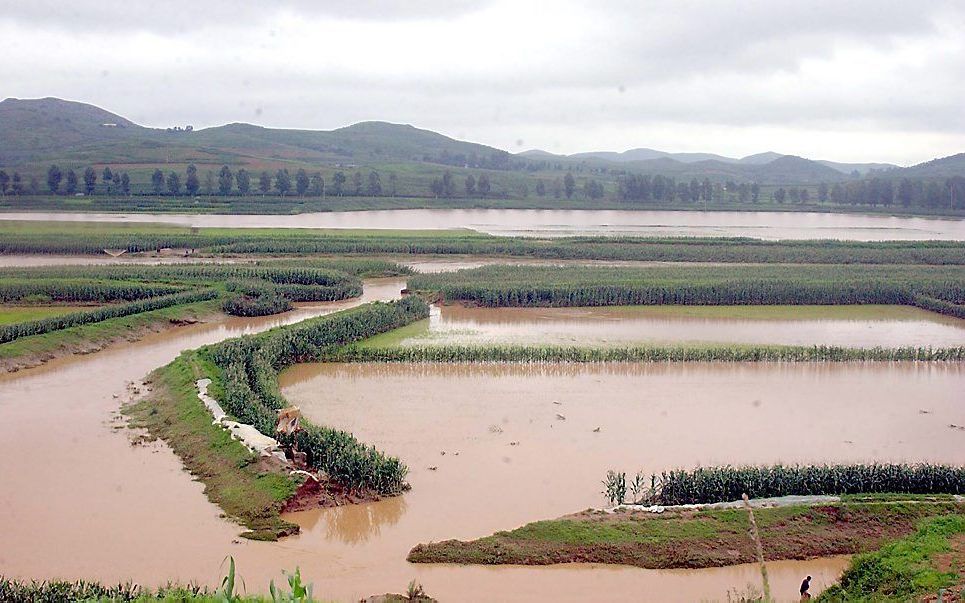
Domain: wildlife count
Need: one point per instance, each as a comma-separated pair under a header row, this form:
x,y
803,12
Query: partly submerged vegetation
x,y
722,484
249,370
369,352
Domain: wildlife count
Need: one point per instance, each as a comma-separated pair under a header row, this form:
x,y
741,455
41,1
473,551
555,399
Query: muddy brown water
x,y
78,501
545,222
853,326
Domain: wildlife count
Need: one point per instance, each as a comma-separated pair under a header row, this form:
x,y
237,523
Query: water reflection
x,y
352,524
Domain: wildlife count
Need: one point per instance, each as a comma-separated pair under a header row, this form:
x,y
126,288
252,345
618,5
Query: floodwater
x,y
551,223
70,477
852,326
492,447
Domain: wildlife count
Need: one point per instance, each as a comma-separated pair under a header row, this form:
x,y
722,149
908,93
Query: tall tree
x,y
470,186
225,180
283,182
71,185
125,184
264,183
338,184
779,195
191,182
174,184
34,186
244,181
375,184
107,176
755,192
318,185
448,185
357,182
17,184
4,182
393,184
569,185
823,192
157,181
90,180
541,188
482,185
301,182
209,183
54,175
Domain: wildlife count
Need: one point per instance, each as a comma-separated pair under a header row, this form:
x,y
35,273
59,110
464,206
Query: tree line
x,y
873,191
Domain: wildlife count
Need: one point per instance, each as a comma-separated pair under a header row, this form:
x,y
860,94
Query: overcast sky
x,y
869,80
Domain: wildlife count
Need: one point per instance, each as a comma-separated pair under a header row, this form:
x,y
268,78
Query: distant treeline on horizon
x,y
873,190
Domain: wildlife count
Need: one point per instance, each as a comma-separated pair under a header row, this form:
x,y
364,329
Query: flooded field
x,y
854,326
548,223
508,458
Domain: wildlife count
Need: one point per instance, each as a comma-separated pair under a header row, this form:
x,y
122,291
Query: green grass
x,y
692,539
15,314
229,471
31,350
906,569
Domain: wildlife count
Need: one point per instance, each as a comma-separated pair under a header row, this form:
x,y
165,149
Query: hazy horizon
x,y
864,82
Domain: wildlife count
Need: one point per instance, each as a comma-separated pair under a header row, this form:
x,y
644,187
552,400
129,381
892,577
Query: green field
x,y
15,314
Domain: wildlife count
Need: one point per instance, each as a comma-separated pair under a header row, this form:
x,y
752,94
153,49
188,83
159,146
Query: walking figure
x,y
805,586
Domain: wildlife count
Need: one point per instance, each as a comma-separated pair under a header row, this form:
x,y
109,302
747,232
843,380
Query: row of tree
x,y
872,191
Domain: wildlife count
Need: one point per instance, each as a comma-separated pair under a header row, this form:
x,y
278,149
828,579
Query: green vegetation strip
x,y
248,378
256,290
558,354
54,237
722,484
910,568
694,539
940,289
11,332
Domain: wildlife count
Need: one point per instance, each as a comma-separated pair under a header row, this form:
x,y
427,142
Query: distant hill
x,y
945,167
52,129
37,132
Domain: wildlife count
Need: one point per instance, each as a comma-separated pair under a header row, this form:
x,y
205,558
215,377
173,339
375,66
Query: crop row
x,y
64,321
694,285
259,290
721,484
560,354
59,290
739,250
249,378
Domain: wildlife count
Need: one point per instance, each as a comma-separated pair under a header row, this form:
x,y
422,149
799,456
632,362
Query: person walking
x,y
805,587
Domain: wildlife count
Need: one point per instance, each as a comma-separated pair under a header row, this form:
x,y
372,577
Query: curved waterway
x,y
554,223
79,501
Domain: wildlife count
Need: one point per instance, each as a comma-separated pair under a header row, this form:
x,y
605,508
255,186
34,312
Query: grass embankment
x,y
695,539
233,477
27,352
244,380
66,238
911,568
